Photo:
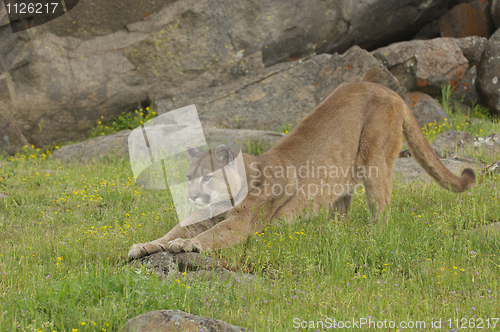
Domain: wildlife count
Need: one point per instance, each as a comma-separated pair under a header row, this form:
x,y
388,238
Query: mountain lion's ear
x,y
191,152
224,154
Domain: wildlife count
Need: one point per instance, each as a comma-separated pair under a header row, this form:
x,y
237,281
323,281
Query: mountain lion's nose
x,y
193,198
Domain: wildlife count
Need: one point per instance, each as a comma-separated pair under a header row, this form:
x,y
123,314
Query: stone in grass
x,y
162,263
453,142
175,320
197,266
166,262
193,261
493,168
407,169
222,276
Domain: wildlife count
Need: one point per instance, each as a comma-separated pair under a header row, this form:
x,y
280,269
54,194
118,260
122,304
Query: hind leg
x,y
341,207
378,192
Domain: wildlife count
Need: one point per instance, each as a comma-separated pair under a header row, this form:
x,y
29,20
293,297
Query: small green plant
x,y
453,106
482,112
478,123
445,101
123,122
257,148
288,127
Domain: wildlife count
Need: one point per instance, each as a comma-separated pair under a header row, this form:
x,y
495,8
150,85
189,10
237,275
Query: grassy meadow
x,y
65,231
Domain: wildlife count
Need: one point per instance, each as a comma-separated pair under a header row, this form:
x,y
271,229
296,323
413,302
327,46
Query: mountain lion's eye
x,y
189,178
207,178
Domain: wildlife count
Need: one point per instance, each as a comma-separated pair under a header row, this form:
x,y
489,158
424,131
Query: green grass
x,y
65,232
257,148
479,123
123,122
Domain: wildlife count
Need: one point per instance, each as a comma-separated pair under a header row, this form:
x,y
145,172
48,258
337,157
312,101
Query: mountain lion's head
x,y
206,183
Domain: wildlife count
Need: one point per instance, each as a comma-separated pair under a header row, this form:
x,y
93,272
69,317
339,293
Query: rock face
x,y
353,66
11,138
472,48
193,261
95,148
452,142
495,12
466,88
284,93
59,78
408,169
427,65
488,74
467,19
117,144
424,65
336,25
194,267
165,262
175,320
425,109
162,263
4,19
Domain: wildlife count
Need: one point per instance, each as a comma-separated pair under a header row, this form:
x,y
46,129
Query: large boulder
x,y
472,48
336,25
194,266
425,109
284,93
175,320
103,58
424,65
449,141
457,142
4,18
353,66
488,75
467,19
116,145
407,169
495,12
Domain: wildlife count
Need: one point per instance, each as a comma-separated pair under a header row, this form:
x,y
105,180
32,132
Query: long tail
x,y
425,156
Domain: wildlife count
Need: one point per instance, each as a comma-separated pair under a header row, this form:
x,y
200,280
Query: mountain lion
x,y
354,135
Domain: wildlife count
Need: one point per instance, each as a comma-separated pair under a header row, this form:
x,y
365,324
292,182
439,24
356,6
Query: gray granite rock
x,y
488,75
454,142
425,108
407,169
116,145
175,320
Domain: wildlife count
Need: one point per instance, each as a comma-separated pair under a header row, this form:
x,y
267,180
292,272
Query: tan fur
x,y
358,126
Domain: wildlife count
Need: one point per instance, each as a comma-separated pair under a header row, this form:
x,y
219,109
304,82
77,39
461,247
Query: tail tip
x,y
470,176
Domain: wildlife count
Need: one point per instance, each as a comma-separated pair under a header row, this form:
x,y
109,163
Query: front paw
x,y
180,245
143,249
